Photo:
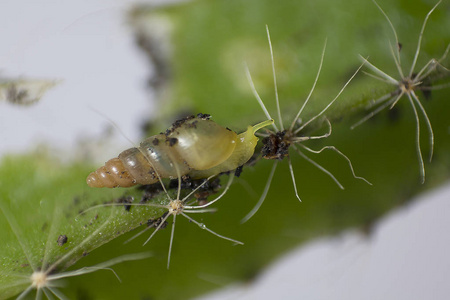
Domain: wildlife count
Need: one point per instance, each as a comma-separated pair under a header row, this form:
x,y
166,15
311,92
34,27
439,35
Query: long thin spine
x,y
51,233
258,98
318,166
263,196
230,180
274,75
430,129
294,121
377,110
397,54
379,72
419,42
419,151
202,226
332,101
291,170
341,154
77,247
17,233
171,240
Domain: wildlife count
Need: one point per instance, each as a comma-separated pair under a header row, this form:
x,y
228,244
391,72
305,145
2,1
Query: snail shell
x,y
194,146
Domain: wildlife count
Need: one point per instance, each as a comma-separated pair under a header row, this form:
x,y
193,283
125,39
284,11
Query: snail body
x,y
194,146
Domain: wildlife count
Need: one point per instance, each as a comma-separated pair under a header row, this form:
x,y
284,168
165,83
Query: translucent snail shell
x,y
194,146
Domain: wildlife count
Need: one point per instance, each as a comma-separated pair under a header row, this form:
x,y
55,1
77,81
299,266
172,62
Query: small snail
x,y
196,146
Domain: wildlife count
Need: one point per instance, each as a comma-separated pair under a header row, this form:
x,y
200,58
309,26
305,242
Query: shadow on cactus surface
x,y
211,40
